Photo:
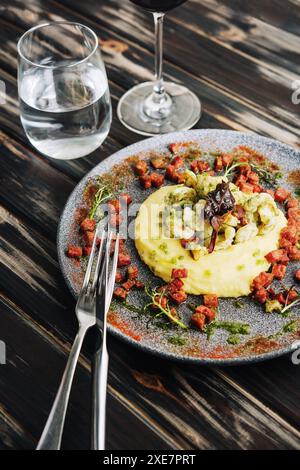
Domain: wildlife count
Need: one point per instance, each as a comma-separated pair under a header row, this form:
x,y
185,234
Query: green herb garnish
x,y
177,340
154,294
102,195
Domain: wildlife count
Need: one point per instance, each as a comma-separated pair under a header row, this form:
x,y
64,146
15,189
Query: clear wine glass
x,y
63,90
159,107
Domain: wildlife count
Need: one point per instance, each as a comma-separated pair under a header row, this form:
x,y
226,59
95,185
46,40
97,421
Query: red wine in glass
x,y
158,5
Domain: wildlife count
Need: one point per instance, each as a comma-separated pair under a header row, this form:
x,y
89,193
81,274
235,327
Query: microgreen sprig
x,y
102,195
153,294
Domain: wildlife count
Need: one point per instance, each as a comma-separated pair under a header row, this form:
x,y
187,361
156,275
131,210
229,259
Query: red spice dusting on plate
x,y
114,320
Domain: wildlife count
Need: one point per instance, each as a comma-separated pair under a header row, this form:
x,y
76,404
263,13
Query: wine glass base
x,y
185,110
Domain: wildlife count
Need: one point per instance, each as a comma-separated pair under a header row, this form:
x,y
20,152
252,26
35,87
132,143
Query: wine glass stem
x,y
159,23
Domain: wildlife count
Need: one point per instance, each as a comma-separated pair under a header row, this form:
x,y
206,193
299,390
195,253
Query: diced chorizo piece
x,y
280,297
125,198
180,178
227,159
218,164
284,243
293,253
293,213
261,295
257,188
74,251
89,238
202,166
240,179
281,194
171,173
123,260
279,271
291,296
115,220
178,297
88,225
177,162
245,187
244,170
211,300
174,312
292,203
132,272
262,280
145,181
120,293
176,147
87,250
157,180
275,256
198,320
119,276
210,315
194,166
129,284
159,163
290,233
114,205
162,300
253,177
141,167
139,284
271,192
175,285
297,275
179,273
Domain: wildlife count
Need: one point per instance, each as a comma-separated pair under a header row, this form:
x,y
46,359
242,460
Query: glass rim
x,y
54,23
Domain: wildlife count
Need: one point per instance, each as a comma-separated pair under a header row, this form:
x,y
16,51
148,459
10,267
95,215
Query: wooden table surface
x,y
241,58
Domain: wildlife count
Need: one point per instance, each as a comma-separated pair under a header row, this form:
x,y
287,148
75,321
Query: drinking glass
x,y
63,90
159,107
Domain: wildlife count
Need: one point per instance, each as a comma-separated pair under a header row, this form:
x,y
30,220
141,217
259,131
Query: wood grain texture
x,y
240,58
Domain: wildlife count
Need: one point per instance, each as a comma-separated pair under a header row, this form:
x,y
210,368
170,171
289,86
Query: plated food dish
x,y
208,268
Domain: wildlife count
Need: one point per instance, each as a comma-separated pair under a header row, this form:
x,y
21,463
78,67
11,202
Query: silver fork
x,y
100,360
86,315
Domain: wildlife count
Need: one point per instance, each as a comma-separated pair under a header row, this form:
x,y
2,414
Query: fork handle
x,y
100,369
52,434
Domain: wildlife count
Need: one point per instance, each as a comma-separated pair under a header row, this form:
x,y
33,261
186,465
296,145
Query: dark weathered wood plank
x,y
149,386
32,353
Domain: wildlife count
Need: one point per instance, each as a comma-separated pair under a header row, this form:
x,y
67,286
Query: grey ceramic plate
x,y
135,328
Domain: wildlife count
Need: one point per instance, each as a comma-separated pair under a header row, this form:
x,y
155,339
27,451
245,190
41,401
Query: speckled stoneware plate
x,y
265,341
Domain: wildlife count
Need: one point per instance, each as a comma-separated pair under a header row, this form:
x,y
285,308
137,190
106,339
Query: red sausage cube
x,y
132,272
210,300
141,167
281,194
261,295
145,181
198,320
88,225
120,293
157,180
123,260
74,251
279,271
179,273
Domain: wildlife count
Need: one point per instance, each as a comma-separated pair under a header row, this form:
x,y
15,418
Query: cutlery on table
x,y
86,315
100,360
